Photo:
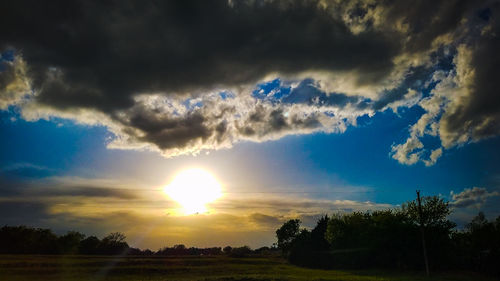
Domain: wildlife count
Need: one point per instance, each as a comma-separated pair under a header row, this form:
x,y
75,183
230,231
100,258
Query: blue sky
x,y
354,165
358,157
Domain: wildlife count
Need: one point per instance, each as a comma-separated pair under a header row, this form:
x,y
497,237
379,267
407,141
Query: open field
x,y
189,268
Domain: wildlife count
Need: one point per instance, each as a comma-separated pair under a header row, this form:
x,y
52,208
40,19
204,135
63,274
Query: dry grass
x,y
191,268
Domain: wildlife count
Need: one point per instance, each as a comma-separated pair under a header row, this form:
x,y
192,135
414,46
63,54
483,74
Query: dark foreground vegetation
x,y
39,241
206,268
392,239
386,240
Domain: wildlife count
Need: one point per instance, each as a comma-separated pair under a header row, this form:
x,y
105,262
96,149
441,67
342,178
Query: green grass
x,y
191,268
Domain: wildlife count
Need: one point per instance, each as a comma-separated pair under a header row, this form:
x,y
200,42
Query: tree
x,y
113,244
287,233
26,240
482,233
241,252
114,237
180,249
303,247
318,240
434,212
478,246
349,230
434,226
477,223
89,246
70,242
301,252
227,250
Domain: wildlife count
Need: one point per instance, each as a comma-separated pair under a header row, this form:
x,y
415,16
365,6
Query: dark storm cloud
x,y
464,106
414,80
167,131
40,214
138,67
427,19
8,74
478,114
97,55
13,85
266,220
27,212
44,189
87,191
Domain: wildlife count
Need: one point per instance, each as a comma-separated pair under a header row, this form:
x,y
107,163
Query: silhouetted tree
x,y
386,238
434,212
113,244
227,250
318,240
147,252
310,248
264,251
240,252
25,240
70,242
437,227
287,233
182,250
89,246
301,252
479,245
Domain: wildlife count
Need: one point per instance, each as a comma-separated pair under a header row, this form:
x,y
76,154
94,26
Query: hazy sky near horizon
x,y
297,108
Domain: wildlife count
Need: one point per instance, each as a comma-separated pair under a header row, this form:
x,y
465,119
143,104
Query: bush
x,y
241,252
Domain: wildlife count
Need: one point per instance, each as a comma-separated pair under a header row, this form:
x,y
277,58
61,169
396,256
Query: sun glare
x,y
193,189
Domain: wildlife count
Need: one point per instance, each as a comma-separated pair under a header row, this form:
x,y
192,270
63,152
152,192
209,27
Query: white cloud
x,y
474,197
14,84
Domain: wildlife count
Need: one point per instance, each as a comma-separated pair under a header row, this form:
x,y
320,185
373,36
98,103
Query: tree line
x,y
28,240
386,239
392,239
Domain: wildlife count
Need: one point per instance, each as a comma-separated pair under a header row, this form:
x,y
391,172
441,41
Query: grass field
x,y
189,268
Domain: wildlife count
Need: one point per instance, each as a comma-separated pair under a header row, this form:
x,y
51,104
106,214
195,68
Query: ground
x,y
191,268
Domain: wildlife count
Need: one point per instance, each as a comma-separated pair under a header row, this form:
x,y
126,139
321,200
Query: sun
x,y
193,189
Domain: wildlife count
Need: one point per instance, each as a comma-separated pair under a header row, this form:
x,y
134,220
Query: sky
x,y
296,108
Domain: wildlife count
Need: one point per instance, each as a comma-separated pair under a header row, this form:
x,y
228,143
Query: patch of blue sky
x,y
444,58
48,144
7,55
263,89
20,170
272,91
329,113
430,143
361,157
444,62
191,104
419,78
227,95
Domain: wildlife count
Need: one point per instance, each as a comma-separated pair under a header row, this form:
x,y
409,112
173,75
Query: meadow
x,y
207,268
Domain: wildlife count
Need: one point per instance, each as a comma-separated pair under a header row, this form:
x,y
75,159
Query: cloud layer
x,y
472,197
181,77
150,218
